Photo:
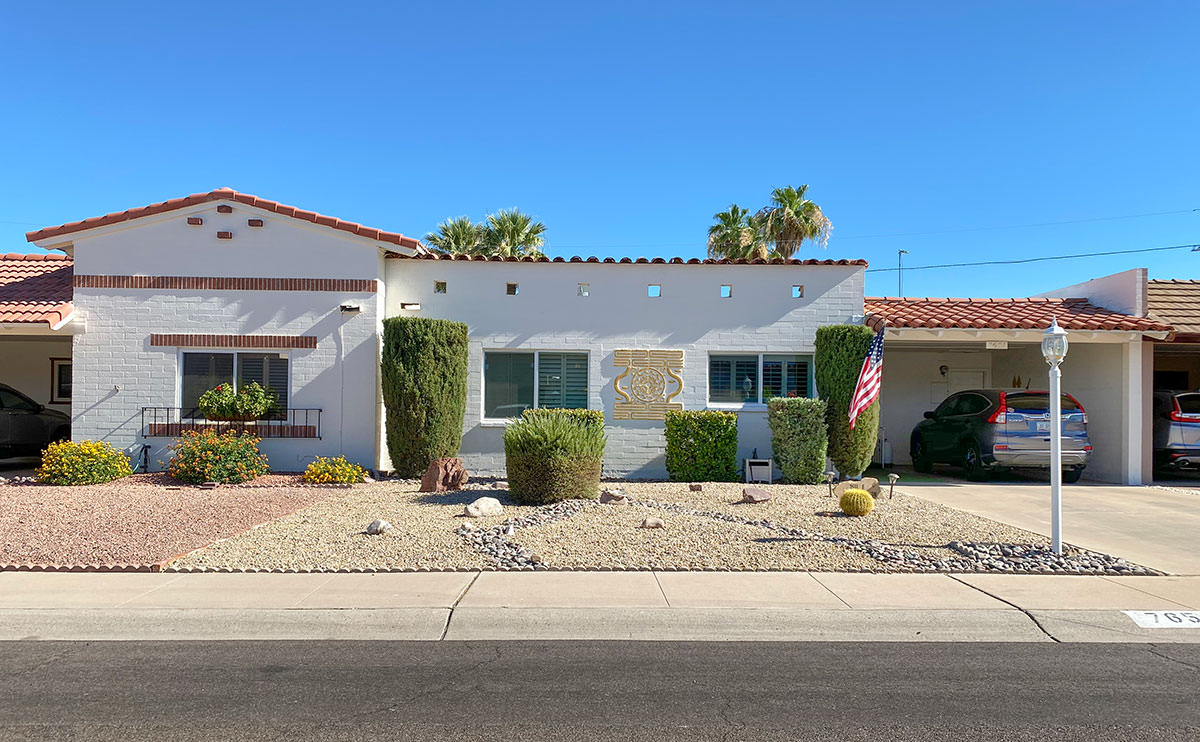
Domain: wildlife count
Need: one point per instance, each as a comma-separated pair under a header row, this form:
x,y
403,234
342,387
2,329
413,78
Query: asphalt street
x,y
250,690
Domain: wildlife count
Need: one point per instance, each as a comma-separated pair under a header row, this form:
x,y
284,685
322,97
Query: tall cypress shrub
x,y
839,358
424,390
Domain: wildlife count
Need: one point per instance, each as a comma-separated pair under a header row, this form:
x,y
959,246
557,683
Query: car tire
x,y
1071,476
972,464
920,460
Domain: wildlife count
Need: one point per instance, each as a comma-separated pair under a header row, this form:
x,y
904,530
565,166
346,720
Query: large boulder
x,y
870,484
444,475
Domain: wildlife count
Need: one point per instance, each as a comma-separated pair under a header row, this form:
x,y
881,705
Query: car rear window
x,y
1189,404
1029,402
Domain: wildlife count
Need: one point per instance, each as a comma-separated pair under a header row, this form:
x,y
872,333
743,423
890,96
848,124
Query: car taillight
x,y
1000,416
1088,447
1081,410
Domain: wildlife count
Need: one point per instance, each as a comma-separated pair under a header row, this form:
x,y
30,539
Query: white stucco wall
x,y
690,316
338,377
1121,292
25,365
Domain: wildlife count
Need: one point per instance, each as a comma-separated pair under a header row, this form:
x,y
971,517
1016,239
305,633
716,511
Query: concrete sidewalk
x,y
700,606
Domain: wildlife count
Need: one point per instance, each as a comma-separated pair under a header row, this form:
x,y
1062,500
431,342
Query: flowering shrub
x,y
336,470
250,402
85,462
204,456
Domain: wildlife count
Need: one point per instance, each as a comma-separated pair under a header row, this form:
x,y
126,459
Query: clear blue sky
x,y
624,127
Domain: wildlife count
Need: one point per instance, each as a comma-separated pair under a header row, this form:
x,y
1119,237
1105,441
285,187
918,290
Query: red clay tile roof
x,y
35,288
1177,303
227,194
626,261
1002,314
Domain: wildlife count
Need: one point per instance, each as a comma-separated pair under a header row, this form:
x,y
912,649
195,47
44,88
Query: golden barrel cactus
x,y
857,502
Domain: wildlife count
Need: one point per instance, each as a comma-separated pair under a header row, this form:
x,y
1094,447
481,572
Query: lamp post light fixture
x,y
1054,350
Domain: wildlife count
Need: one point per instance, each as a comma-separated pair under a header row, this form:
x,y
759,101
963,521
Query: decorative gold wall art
x,y
648,384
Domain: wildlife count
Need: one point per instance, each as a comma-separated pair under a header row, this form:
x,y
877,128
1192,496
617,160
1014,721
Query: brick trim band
x,y
233,341
212,283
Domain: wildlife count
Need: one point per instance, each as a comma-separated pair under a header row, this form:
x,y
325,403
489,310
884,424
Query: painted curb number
x,y
1165,619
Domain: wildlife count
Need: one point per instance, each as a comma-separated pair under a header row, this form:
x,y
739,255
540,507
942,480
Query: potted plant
x,y
250,402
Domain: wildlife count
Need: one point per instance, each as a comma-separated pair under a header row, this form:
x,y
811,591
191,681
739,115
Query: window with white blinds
x,y
201,371
517,381
753,379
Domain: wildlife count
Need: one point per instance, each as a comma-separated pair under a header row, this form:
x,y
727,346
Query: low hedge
x,y
206,456
550,458
798,438
593,418
85,462
702,446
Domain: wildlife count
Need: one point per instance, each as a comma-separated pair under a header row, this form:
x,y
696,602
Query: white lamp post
x,y
1054,350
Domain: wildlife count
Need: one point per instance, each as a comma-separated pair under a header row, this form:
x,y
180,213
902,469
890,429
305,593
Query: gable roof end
x,y
228,194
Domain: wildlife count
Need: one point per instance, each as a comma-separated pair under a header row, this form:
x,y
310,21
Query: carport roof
x,y
35,289
1175,302
1002,314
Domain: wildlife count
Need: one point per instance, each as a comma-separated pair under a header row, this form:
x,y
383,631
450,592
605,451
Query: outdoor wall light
x,y
349,309
943,370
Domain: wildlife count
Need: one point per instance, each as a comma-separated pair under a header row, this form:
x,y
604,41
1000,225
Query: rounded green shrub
x,y
702,446
85,462
552,458
424,373
335,470
798,438
857,502
840,350
206,456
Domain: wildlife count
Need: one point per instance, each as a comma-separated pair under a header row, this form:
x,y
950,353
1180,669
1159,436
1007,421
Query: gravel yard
x,y
144,519
798,529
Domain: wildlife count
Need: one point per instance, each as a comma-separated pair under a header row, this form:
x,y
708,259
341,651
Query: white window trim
x,y
759,406
500,422
55,363
236,352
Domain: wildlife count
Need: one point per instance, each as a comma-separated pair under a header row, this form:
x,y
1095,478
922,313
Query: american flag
x,y
867,389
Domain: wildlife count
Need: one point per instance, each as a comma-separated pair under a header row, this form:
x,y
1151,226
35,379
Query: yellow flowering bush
x,y
206,456
336,470
85,462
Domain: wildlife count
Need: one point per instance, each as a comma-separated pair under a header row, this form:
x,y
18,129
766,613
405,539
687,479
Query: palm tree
x,y
510,233
736,235
791,219
459,235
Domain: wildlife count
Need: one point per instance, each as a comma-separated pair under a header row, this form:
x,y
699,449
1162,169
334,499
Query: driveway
x,y
1150,526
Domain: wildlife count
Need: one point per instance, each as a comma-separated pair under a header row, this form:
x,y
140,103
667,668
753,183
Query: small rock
x,y
614,496
870,484
696,487
509,530
754,495
367,479
653,523
484,506
210,485
377,527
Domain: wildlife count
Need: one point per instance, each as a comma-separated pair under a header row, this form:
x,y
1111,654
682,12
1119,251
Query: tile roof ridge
x,y
34,257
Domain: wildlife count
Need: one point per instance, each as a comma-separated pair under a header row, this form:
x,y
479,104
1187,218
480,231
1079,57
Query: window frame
x,y
760,405
235,352
55,364
486,421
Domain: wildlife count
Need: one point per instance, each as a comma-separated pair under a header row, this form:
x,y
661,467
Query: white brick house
x,y
174,298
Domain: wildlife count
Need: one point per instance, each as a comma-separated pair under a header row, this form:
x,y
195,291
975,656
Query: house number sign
x,y
1165,619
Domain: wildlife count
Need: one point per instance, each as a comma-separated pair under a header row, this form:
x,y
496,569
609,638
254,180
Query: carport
x,y
37,321
934,347
1176,358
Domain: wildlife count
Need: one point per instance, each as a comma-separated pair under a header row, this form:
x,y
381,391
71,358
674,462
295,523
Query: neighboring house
x,y
174,298
36,325
1177,359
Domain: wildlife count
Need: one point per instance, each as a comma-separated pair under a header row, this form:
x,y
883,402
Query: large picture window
x,y
753,379
202,371
515,382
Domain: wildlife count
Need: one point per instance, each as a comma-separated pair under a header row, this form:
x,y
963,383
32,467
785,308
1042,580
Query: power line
x,y
1033,260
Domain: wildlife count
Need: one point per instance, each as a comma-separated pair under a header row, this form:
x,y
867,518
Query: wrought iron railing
x,y
169,422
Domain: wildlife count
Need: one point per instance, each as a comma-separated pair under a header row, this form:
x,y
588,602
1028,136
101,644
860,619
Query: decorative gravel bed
x,y
798,529
141,520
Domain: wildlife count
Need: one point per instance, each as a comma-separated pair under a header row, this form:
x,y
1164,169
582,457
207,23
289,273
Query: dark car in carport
x,y
26,427
986,430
